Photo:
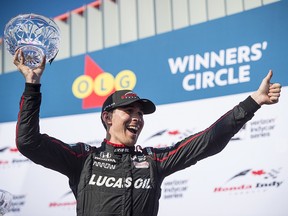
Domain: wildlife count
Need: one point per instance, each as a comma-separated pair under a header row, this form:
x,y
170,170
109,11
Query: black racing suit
x,y
114,179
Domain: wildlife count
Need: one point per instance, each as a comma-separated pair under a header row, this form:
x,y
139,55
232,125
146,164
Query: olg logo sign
x,y
95,85
103,84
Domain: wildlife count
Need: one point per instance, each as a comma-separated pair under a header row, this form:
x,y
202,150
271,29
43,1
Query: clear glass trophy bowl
x,y
35,35
5,201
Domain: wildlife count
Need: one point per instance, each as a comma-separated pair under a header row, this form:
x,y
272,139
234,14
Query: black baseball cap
x,y
122,98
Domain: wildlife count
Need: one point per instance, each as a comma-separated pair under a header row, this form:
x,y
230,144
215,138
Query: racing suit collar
x,y
119,148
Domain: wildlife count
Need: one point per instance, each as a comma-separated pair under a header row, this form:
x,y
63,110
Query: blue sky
x,y
48,8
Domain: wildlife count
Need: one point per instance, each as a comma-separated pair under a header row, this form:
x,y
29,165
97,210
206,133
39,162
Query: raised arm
x,y
214,139
41,148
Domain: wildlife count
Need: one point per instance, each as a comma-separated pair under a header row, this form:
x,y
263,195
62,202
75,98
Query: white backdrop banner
x,y
249,177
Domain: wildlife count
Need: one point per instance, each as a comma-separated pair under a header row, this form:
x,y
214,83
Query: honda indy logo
x,y
112,182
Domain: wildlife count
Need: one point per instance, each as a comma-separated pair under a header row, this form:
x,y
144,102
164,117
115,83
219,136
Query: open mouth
x,y
133,129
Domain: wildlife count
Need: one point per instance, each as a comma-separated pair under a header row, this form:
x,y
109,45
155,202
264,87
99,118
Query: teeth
x,y
134,128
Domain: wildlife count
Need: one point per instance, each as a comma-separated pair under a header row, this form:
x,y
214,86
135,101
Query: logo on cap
x,y
129,95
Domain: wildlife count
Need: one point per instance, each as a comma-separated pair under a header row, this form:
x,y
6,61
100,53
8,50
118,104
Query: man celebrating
x,y
119,178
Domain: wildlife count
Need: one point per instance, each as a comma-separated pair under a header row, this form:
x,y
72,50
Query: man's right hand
x,y
30,75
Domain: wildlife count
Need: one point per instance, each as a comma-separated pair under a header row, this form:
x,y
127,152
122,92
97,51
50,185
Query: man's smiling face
x,y
125,124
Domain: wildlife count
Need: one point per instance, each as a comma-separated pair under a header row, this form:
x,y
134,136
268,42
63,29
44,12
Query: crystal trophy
x,y
35,35
5,201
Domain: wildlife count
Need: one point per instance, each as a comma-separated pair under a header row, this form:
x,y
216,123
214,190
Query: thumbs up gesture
x,y
267,93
